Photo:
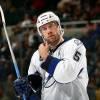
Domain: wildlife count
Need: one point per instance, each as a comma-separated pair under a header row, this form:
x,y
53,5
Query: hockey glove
x,y
35,82
21,87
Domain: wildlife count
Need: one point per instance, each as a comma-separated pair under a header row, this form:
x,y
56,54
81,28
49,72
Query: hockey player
x,y
61,64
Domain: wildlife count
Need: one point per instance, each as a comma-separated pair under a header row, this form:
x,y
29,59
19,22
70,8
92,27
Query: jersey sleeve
x,y
35,65
32,67
72,61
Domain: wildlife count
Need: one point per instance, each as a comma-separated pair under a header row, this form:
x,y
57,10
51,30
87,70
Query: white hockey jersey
x,y
70,79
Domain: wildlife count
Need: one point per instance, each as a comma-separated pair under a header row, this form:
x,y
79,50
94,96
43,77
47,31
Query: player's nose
x,y
49,31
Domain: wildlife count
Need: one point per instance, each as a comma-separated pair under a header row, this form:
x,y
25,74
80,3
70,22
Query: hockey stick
x,y
11,51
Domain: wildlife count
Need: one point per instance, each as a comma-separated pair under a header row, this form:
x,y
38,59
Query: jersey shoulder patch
x,y
73,43
77,42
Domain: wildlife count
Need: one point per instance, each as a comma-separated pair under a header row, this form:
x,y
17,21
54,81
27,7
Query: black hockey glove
x,y
35,82
28,85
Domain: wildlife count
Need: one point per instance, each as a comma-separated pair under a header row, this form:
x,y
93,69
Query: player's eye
x,y
42,29
48,26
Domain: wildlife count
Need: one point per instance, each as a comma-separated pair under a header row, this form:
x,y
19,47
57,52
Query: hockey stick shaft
x,y
8,41
10,48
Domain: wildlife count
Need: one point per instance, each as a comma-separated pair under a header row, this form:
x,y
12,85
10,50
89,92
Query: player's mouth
x,y
51,36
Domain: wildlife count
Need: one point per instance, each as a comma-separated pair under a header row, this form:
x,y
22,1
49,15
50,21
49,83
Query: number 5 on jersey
x,y
76,56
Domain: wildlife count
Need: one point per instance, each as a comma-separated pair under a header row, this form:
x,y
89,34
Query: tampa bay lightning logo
x,y
77,42
50,16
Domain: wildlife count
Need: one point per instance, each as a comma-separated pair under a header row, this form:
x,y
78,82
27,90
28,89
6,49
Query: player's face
x,y
50,32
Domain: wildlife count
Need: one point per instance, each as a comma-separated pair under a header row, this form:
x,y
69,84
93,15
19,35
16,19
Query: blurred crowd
x,y
21,15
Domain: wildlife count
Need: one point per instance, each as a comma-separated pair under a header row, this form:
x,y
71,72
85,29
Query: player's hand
x,y
21,87
43,50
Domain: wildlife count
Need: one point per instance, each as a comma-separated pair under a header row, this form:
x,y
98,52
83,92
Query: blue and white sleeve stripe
x,y
50,64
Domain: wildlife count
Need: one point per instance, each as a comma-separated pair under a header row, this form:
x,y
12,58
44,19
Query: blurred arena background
x,y
79,18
